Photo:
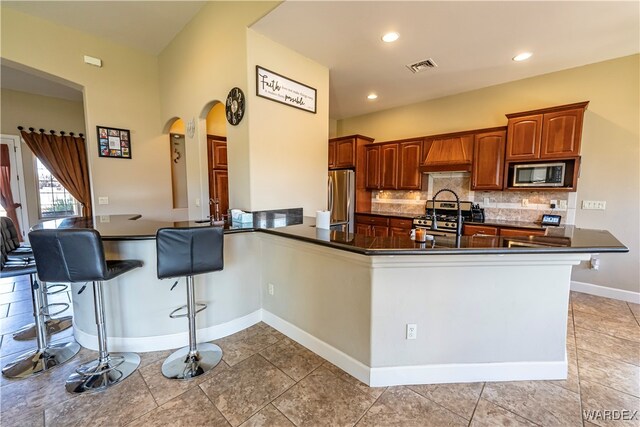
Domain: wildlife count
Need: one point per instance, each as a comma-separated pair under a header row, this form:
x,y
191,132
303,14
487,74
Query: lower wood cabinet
x,y
521,232
382,226
479,230
488,230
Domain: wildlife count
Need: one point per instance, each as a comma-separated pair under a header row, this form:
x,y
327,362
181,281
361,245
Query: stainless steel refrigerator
x,y
342,191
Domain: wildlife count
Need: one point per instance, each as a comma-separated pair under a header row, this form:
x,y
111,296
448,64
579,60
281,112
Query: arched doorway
x,y
217,158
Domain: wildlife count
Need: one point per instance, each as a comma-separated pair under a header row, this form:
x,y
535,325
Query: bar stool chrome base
x,y
53,326
183,364
102,373
37,361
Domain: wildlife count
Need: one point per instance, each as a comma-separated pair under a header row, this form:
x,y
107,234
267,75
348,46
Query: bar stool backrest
x,y
68,255
189,251
10,239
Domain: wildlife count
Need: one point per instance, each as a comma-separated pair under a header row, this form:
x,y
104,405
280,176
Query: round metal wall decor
x,y
234,106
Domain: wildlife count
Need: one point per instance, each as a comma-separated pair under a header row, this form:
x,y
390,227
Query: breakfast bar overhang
x,y
486,309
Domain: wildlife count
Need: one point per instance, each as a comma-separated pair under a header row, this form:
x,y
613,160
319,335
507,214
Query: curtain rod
x,y
52,132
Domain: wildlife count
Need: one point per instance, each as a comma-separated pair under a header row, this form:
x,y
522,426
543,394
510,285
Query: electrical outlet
x,y
103,200
271,289
595,263
197,202
562,204
412,331
525,202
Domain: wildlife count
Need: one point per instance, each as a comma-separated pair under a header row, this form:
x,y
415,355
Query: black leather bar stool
x,y
187,252
17,251
45,356
77,255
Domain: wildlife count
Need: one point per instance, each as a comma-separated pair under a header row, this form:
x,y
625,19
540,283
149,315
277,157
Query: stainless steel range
x,y
445,216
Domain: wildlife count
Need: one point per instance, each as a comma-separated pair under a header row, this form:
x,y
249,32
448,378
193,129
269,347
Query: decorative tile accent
x,y
192,408
321,398
399,406
605,371
292,358
538,401
244,389
606,345
132,400
489,415
458,398
268,417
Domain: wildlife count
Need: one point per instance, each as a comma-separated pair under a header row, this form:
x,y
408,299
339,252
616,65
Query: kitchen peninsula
x,y
486,307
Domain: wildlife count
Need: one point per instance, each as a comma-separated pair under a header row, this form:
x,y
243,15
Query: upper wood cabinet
x,y
488,160
409,177
393,165
447,153
550,133
389,166
342,152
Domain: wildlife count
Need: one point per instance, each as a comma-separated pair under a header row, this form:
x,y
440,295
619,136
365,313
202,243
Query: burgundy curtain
x,y
6,195
66,158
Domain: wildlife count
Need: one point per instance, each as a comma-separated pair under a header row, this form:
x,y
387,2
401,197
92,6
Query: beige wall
x,y
216,120
274,146
123,93
28,110
288,146
199,67
610,144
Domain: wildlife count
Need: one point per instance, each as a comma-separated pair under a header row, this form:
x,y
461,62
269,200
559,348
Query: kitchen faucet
x,y
434,225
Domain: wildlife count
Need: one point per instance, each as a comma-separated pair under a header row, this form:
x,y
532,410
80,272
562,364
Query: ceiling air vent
x,y
422,65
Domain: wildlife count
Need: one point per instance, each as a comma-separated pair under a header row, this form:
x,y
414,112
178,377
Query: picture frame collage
x,y
114,142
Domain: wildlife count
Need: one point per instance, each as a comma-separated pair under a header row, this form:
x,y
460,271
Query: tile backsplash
x,y
498,205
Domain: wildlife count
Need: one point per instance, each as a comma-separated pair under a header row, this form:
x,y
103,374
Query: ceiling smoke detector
x,y
422,65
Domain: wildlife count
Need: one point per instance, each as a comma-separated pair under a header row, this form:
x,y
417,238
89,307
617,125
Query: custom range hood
x,y
450,154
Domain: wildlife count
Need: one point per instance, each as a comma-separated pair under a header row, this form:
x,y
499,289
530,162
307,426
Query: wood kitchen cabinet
x,y
409,177
394,165
342,152
388,166
400,226
549,133
371,225
521,232
488,160
479,230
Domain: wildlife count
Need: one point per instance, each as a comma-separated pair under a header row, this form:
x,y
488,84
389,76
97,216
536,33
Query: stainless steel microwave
x,y
539,175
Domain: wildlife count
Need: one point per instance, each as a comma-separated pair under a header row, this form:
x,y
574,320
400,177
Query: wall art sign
x,y
281,89
114,142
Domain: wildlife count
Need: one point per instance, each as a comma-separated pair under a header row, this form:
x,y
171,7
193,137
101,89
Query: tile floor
x,y
266,379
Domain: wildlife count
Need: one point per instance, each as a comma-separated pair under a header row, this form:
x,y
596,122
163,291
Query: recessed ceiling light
x,y
522,56
390,37
372,96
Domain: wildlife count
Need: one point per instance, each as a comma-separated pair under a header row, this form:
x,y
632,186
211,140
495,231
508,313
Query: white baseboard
x,y
163,342
422,374
468,372
345,362
606,292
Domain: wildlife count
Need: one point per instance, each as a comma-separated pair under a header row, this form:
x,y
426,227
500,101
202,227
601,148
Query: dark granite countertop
x,y
563,240
566,239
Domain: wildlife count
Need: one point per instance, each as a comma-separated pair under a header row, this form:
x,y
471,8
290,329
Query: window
x,y
53,199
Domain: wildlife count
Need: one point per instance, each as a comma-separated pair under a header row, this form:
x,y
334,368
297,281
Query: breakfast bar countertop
x,y
567,239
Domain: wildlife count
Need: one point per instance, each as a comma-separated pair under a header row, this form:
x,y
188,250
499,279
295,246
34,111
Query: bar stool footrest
x,y
38,361
53,326
99,374
173,314
183,365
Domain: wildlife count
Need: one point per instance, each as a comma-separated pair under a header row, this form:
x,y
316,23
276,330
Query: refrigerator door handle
x,y
330,194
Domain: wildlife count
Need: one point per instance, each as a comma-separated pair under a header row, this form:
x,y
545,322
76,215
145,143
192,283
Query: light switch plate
x,y
103,200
